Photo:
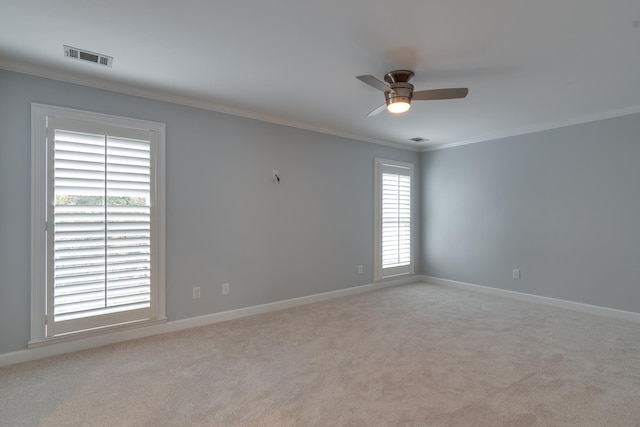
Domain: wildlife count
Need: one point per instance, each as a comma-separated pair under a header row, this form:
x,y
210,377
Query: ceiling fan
x,y
398,92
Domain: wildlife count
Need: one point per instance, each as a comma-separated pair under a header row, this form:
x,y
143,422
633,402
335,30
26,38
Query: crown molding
x,y
540,127
188,101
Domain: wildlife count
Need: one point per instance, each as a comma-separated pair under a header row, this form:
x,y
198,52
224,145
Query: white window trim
x,y
378,271
39,113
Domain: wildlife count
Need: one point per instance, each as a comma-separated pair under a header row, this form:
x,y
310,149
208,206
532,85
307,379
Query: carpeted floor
x,y
412,355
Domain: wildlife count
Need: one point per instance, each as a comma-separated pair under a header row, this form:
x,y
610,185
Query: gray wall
x,y
226,220
561,205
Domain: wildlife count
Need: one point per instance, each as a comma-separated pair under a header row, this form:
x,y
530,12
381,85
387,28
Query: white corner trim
x,y
554,302
40,352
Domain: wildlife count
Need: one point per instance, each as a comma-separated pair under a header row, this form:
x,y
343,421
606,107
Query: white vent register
x,y
85,55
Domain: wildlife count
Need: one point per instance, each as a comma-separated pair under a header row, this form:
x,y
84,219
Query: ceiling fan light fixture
x,y
398,92
398,107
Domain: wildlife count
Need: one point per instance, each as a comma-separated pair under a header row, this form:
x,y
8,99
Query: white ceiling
x,y
529,65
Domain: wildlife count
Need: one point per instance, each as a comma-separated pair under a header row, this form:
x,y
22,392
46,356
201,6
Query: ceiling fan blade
x,y
372,81
433,94
377,111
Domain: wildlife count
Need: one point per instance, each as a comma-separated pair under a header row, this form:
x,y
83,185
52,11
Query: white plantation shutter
x,y
393,218
99,237
396,220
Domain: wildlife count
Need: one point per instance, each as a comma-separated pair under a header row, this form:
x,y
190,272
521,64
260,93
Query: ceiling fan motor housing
x,y
398,76
401,92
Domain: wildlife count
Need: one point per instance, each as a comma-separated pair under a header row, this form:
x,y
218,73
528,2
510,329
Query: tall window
x,y
393,246
97,222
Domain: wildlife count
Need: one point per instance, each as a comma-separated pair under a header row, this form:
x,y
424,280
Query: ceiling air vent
x,y
85,55
418,139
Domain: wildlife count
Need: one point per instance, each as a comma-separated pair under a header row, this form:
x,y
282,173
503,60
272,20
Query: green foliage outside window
x,y
70,200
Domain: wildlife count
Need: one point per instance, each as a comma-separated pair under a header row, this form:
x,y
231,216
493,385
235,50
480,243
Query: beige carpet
x,y
413,355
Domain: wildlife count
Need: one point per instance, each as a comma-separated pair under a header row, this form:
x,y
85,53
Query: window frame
x,y
40,185
379,273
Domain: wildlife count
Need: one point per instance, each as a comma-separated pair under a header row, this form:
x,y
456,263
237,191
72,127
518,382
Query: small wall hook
x,y
276,177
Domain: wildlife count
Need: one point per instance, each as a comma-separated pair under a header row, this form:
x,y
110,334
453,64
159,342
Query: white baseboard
x,y
570,305
178,325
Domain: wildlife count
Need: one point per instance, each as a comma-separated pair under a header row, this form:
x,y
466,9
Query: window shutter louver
x,y
101,234
396,220
128,225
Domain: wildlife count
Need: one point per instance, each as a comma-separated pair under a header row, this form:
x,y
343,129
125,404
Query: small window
x,y
393,246
98,227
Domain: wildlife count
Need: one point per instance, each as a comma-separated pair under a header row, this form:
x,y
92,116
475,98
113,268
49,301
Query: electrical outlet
x,y
360,269
516,273
225,289
196,293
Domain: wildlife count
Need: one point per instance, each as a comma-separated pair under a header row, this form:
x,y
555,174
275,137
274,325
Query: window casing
x,y
97,223
393,218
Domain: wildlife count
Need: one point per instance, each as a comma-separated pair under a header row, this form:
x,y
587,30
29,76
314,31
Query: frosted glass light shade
x,y
398,107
